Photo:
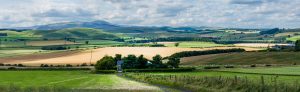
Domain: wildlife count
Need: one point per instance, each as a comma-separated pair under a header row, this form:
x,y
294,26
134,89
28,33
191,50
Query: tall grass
x,y
217,84
15,88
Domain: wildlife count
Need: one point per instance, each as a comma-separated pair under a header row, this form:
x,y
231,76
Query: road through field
x,y
79,57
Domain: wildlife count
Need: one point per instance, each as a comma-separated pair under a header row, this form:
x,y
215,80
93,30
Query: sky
x,y
213,13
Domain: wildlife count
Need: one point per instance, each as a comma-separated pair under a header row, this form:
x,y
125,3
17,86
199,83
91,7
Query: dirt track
x,y
79,57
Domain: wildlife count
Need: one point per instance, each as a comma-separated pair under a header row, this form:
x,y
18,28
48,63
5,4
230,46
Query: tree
x,y
142,62
106,63
118,57
86,42
297,45
157,61
130,62
176,44
173,62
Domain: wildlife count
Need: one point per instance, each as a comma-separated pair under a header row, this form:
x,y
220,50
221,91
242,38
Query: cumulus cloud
x,y
221,13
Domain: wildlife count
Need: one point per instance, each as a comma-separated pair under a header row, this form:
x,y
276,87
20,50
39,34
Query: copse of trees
x,y
106,63
297,45
196,53
134,62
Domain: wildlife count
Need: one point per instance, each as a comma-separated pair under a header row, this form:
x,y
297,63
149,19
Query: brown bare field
x,y
50,42
79,57
259,45
244,58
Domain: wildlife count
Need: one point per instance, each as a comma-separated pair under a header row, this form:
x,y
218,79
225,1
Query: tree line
x,y
196,53
136,62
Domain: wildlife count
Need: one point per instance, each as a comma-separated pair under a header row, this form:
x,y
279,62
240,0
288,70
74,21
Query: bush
x,y
105,71
161,70
11,68
268,65
1,64
54,48
229,66
20,65
252,65
83,64
69,65
212,67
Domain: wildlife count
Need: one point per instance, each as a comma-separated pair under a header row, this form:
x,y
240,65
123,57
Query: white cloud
x,y
223,13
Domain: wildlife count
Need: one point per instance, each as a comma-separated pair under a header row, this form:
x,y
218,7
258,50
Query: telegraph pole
x,y
91,56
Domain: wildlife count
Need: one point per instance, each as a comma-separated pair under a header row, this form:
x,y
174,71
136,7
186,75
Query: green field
x,y
218,81
100,42
294,38
9,53
292,70
71,79
194,44
245,58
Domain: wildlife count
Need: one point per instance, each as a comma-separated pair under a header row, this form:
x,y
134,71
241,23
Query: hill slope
x,y
79,33
245,58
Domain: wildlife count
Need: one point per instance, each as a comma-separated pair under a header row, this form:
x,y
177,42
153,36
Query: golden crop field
x,y
79,57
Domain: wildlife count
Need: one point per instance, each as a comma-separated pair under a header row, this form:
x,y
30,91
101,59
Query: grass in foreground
x,y
221,81
293,70
69,80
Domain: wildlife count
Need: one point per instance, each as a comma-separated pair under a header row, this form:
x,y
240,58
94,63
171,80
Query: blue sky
x,y
215,13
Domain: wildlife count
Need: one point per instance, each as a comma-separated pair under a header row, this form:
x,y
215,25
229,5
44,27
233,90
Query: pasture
x,y
71,80
193,44
93,55
216,81
13,53
290,70
294,38
260,45
49,42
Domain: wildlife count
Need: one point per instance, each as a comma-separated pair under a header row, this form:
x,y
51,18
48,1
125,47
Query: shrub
x,y
69,65
1,64
211,67
20,65
105,71
11,68
253,65
229,66
54,48
161,70
268,65
83,64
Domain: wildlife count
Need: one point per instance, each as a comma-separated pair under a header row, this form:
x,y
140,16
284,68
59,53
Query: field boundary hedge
x,y
161,70
43,68
206,52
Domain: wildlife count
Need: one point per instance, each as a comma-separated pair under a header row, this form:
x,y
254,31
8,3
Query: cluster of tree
x,y
3,34
244,41
297,45
271,31
18,65
196,53
55,48
134,62
66,65
183,39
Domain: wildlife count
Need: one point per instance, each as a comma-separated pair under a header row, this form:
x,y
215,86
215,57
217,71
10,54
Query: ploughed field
x,y
244,58
69,80
85,56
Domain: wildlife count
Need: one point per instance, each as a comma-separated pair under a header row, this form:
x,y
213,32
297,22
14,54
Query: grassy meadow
x,y
71,80
193,44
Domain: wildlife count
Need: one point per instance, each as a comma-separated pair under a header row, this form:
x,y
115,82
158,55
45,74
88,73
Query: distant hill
x,y
109,27
78,33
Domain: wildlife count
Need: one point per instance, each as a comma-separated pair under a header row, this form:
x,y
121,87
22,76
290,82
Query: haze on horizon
x,y
214,13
